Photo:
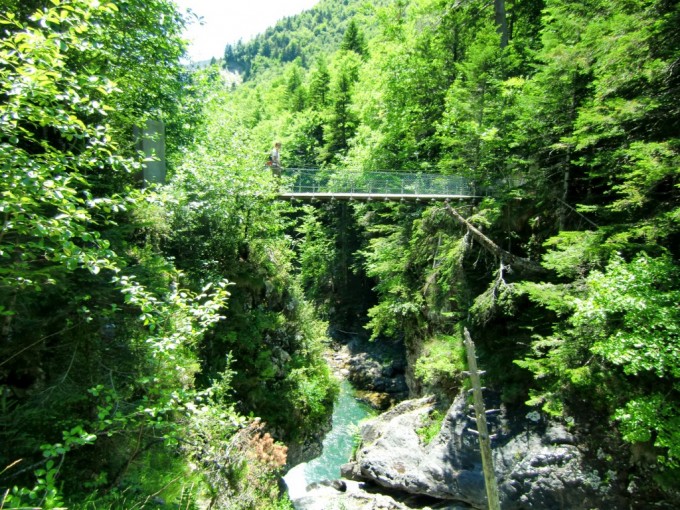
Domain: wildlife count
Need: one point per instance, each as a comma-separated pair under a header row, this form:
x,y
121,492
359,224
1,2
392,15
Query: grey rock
x,y
537,465
370,369
354,497
350,471
338,485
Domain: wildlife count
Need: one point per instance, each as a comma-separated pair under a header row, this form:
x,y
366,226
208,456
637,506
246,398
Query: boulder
x,y
353,495
537,463
377,375
323,496
375,399
366,372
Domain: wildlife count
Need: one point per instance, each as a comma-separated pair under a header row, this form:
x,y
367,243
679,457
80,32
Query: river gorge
x,y
388,462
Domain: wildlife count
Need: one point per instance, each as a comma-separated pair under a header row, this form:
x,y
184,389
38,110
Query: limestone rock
x,y
352,495
378,376
375,399
538,465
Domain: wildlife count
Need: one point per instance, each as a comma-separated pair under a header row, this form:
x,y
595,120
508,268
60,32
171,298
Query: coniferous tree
x,y
319,86
354,39
568,112
295,90
342,122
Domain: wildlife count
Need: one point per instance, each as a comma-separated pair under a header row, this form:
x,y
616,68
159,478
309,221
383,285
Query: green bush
x,y
429,431
441,362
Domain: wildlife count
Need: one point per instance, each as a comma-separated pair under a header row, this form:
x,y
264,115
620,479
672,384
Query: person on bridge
x,y
275,158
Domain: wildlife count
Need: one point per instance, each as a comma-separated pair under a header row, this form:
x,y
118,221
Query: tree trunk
x,y
520,263
493,501
501,21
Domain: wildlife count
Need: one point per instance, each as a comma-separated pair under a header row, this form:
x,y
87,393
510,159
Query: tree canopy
x,y
568,112
182,325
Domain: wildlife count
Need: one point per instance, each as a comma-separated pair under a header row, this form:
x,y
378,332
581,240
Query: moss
x,y
434,424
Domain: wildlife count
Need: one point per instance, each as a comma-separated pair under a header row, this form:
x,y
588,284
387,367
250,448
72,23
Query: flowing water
x,y
337,445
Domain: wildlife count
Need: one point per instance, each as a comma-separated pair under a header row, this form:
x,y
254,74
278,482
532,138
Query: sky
x,y
227,21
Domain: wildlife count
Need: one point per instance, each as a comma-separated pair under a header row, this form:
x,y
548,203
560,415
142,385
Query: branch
x,y
34,344
520,263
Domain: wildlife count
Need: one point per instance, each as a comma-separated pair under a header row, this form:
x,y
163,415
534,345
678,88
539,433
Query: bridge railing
x,y
307,180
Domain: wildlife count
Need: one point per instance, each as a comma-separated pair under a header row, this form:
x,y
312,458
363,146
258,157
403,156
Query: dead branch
x,y
520,263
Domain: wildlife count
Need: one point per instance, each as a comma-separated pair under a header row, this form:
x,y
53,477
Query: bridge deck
x,y
316,184
368,197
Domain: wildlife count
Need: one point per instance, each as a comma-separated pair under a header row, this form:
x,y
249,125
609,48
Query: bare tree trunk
x,y
493,500
501,21
518,262
562,211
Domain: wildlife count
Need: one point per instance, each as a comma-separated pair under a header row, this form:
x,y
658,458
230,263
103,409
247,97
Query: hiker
x,y
275,159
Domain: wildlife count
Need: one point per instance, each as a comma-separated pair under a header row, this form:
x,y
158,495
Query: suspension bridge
x,y
319,184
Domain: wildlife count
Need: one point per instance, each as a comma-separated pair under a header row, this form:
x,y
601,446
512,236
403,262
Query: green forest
x,y
162,345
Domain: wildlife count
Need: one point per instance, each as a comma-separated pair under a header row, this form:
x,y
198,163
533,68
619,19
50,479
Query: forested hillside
x,y
162,346
313,33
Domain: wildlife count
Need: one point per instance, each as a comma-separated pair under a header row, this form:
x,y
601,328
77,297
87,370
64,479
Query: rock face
x,y
537,464
376,373
309,449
